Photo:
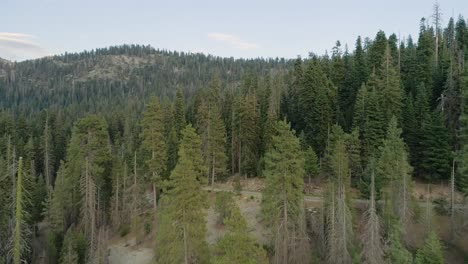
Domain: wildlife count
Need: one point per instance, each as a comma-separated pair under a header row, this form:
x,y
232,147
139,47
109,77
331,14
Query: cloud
x,y
233,41
19,46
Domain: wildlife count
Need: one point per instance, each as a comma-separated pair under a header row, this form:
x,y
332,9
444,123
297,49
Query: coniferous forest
x,y
351,149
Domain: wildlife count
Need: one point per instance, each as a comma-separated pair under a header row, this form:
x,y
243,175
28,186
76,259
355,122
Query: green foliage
x,y
182,227
69,254
396,251
431,252
311,166
462,155
282,197
436,153
38,197
392,164
369,119
237,185
224,204
317,98
21,231
284,172
237,246
153,138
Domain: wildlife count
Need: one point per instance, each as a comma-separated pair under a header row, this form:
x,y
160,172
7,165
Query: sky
x,y
236,28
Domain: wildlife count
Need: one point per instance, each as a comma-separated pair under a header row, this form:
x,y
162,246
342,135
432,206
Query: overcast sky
x,y
238,28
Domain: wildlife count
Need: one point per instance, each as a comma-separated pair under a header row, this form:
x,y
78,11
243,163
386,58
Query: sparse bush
x,y
147,226
237,185
223,205
441,206
124,230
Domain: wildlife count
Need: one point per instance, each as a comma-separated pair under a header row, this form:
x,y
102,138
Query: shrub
x,y
223,205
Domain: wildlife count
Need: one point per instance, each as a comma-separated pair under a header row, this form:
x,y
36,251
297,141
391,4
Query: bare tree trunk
x,y
155,202
286,234
186,257
213,171
452,200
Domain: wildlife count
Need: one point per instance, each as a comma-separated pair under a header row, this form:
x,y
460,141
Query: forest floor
x,y
126,250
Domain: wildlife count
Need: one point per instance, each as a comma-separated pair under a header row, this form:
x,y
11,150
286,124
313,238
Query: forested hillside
x,y
126,140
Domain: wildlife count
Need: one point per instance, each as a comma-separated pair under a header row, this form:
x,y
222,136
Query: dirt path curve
x,y
308,198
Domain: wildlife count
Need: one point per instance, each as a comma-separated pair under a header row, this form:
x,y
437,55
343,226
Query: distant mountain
x,y
117,76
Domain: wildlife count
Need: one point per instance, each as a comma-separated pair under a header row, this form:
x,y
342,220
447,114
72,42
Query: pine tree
x,y
69,254
462,155
282,196
213,133
436,154
246,128
373,247
377,51
171,151
237,246
431,252
154,143
21,229
5,210
311,164
396,253
218,146
353,147
316,100
182,228
47,152
340,234
425,58
179,114
388,87
369,118
393,175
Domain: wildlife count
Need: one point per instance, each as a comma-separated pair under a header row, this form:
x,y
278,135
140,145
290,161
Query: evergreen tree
x,y
436,154
311,167
373,247
377,51
182,227
69,253
282,197
340,234
369,119
353,147
154,143
171,151
462,155
211,128
179,113
21,230
237,246
246,126
396,252
431,252
393,175
316,100
388,86
217,155
47,153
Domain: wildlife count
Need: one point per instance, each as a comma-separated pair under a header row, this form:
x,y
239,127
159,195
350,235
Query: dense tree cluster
x,y
115,139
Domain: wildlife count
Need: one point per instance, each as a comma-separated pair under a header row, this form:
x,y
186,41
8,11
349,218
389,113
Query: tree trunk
x,y
155,202
185,242
213,171
286,235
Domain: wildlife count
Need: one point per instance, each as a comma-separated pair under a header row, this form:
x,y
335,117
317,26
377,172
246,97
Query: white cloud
x,y
233,41
19,46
